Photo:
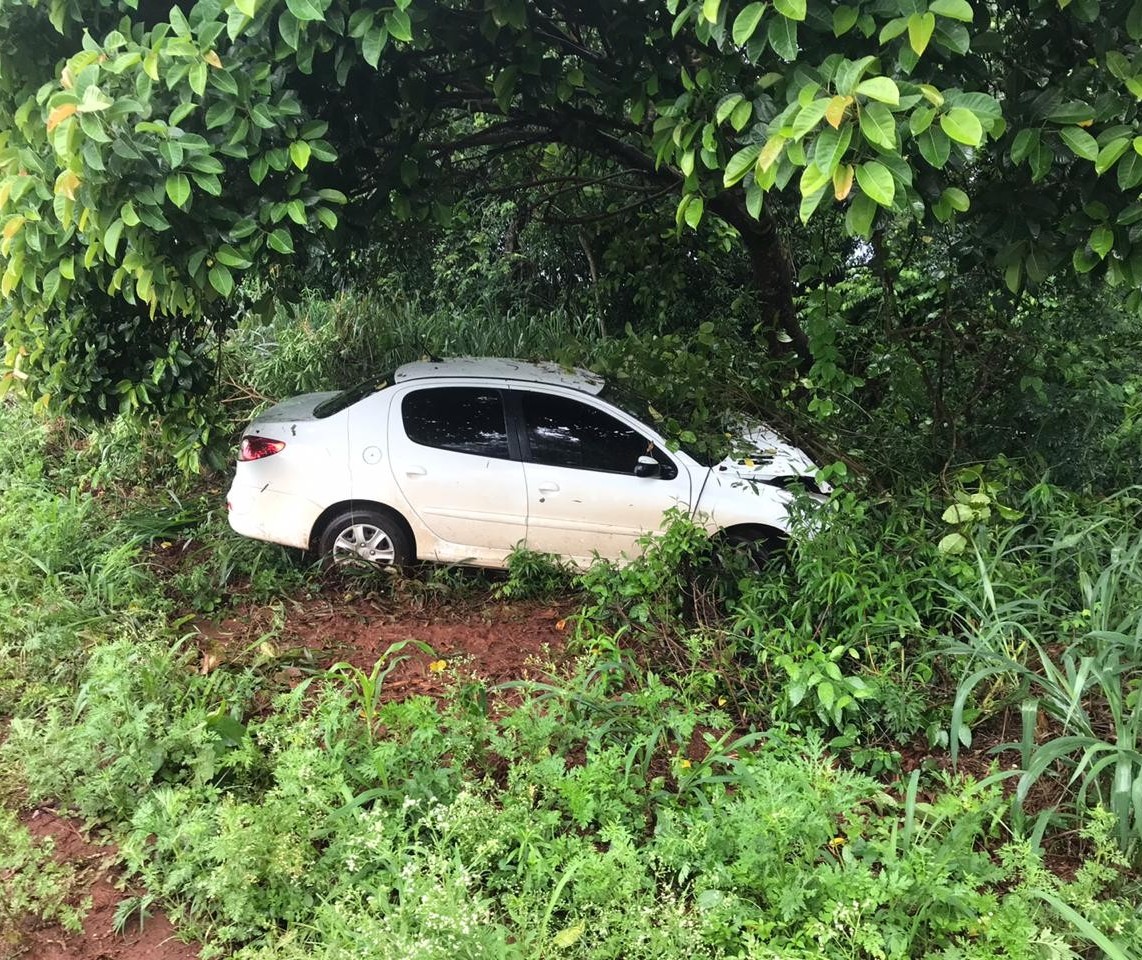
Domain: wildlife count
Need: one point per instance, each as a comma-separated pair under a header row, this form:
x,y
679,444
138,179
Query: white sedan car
x,y
463,460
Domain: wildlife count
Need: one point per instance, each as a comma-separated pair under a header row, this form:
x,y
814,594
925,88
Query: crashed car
x,y
463,460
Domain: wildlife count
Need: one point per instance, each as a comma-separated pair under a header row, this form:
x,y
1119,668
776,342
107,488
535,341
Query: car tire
x,y
364,537
759,545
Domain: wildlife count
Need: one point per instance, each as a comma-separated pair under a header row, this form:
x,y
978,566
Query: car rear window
x,y
356,393
461,419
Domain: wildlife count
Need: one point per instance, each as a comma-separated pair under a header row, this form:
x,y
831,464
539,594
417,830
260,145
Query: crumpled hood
x,y
763,454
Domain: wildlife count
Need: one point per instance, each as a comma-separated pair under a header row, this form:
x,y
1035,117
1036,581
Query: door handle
x,y
415,472
548,487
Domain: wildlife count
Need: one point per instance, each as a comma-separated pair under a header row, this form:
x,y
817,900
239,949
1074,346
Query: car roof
x,y
498,368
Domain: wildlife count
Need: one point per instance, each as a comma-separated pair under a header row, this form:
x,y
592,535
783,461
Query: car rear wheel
x,y
365,537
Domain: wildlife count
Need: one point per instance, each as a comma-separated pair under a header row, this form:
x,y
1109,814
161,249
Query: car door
x,y
583,494
458,469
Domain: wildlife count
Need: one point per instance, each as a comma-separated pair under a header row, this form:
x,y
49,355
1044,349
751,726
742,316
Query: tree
x,y
155,155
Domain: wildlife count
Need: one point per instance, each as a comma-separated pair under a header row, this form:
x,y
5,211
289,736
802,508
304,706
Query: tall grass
x,y
329,344
1069,654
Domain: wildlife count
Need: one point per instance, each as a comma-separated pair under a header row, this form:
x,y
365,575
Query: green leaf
x,y
958,513
710,10
882,89
296,211
1129,171
1025,142
783,38
178,189
400,27
219,115
306,10
262,116
826,693
935,147
111,237
920,28
694,212
741,114
963,126
813,181
860,215
844,19
740,163
830,148
808,117
745,23
221,279
1108,155
230,257
1081,143
299,153
952,9
373,45
289,27
953,543
247,7
726,106
281,241
196,77
1134,21
791,9
1101,241
893,29
878,125
360,22
956,199
876,181
569,936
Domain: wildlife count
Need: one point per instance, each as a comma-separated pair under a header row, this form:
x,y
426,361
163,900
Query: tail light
x,y
254,448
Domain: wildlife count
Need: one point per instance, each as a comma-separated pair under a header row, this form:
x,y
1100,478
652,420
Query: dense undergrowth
x,y
919,735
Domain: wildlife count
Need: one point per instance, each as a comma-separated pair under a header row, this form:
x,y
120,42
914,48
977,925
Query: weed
x,y
533,576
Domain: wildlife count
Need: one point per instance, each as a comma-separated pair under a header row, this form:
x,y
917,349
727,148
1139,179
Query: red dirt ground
x,y
494,642
98,877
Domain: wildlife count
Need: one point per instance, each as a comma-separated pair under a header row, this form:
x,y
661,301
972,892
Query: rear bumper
x,y
267,514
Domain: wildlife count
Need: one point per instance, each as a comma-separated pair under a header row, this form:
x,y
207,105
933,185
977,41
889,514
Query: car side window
x,y
566,433
461,419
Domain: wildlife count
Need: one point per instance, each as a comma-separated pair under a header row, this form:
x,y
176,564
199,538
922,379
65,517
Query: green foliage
x,y
694,784
534,575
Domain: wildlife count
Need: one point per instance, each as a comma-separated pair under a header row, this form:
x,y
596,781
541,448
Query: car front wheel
x,y
364,537
758,547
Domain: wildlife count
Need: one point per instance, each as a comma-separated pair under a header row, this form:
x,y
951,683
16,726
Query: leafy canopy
x,y
153,156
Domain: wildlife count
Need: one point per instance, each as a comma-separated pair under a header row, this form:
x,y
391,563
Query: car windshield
x,y
346,398
638,406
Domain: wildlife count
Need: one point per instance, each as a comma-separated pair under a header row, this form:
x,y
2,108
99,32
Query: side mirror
x,y
647,467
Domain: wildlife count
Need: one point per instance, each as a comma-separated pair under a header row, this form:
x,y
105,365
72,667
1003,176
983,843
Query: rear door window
x,y
462,419
566,433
